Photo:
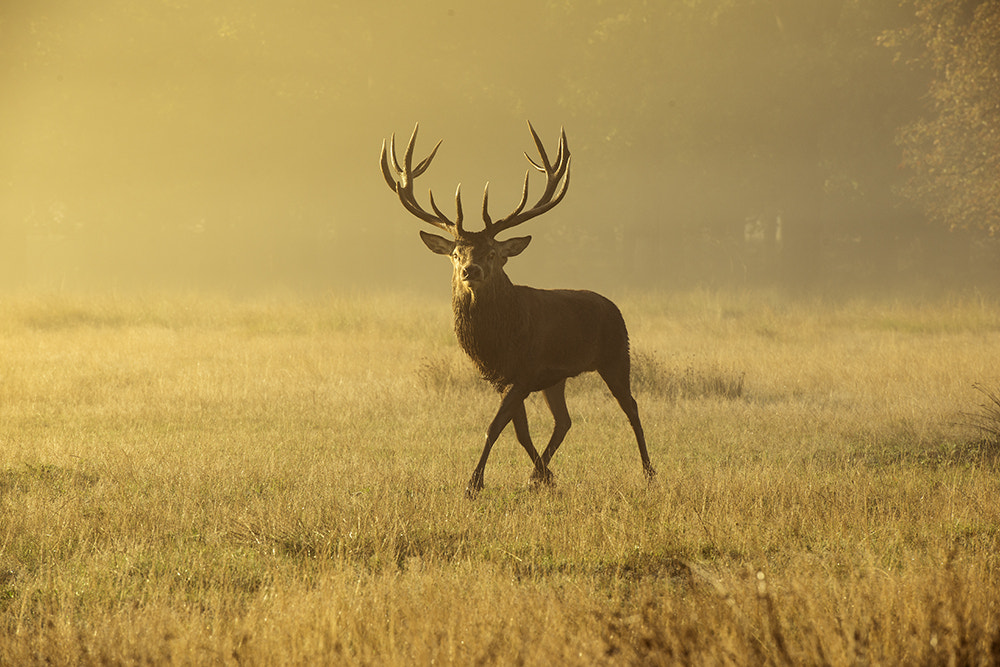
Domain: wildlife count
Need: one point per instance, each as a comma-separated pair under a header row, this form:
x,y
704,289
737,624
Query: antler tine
x,y
426,162
408,156
524,193
560,155
384,162
406,173
458,206
392,151
520,205
541,150
486,212
556,184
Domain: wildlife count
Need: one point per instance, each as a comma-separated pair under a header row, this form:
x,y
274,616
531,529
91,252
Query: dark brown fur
x,y
522,335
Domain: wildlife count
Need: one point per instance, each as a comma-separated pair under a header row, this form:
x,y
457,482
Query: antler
x,y
554,174
556,184
404,187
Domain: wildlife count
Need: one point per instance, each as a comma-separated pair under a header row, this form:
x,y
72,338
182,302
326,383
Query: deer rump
x,y
544,338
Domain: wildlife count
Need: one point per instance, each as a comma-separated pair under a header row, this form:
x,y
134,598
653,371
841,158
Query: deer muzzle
x,y
472,275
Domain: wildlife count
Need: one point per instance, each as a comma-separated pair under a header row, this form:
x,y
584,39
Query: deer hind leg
x,y
555,398
520,419
618,382
512,401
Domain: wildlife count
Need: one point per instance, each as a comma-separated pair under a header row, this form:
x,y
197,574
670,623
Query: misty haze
x,y
235,147
243,384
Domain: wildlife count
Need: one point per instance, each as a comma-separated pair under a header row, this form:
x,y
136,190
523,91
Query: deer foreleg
x,y
513,399
520,419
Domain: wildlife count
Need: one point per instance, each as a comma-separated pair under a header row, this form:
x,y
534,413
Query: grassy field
x,y
280,481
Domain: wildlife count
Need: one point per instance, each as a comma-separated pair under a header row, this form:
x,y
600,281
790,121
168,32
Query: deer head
x,y
477,258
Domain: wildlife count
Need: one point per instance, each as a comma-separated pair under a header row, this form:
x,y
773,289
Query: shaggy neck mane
x,y
488,325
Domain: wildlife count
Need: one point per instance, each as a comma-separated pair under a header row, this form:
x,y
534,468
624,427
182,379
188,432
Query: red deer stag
x,y
521,339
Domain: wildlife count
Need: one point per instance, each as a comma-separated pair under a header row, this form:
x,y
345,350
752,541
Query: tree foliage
x,y
953,151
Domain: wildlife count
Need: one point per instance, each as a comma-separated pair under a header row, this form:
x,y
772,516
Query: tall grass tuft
x,y
652,375
443,373
987,420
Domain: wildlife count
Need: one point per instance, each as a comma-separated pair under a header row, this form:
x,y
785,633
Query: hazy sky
x,y
202,139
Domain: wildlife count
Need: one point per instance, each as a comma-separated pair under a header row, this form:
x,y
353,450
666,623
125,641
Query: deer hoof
x,y
544,477
474,487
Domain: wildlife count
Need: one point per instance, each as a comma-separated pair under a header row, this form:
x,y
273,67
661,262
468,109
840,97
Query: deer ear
x,y
438,244
514,246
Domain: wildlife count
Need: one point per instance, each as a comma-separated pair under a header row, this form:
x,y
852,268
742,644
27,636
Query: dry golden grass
x,y
198,480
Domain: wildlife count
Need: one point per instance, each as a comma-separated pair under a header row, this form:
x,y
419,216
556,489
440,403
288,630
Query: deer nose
x,y
472,272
